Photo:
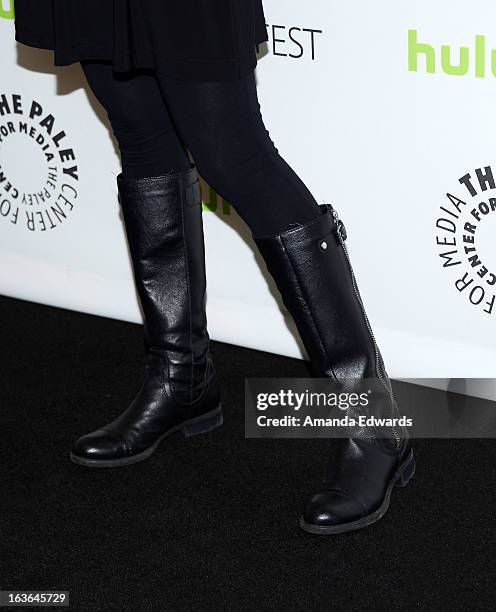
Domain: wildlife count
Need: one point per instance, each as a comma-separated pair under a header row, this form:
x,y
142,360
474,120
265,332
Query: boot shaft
x,y
311,268
163,221
313,273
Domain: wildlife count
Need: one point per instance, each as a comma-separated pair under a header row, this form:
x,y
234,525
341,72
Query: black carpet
x,y
211,522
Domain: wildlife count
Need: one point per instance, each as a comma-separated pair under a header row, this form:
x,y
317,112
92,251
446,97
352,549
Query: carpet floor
x,y
211,522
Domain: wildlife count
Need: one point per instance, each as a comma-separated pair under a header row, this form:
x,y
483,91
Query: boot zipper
x,y
342,237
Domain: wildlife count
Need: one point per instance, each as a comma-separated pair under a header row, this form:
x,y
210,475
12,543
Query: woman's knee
x,y
134,105
226,169
137,124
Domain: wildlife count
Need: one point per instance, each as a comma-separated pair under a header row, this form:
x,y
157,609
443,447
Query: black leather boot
x,y
312,270
180,392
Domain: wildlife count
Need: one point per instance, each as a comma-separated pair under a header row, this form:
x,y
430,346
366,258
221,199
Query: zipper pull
x,y
341,232
340,228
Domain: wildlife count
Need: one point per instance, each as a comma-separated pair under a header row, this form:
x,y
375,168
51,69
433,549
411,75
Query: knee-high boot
x,y
180,392
312,270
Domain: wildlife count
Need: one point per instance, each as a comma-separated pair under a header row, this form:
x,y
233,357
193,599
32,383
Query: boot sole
x,y
201,424
401,479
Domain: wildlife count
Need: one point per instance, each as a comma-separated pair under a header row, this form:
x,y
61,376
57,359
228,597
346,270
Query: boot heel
x,y
205,424
406,474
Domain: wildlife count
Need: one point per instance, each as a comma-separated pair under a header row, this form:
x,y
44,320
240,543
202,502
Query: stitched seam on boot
x,y
308,307
182,191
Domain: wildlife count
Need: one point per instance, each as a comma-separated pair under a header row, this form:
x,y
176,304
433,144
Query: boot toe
x,y
97,446
331,509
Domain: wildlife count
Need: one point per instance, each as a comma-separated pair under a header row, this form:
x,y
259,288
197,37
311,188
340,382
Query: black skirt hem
x,y
200,70
28,38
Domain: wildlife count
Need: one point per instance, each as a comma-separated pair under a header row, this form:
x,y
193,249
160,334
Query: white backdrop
x,y
373,120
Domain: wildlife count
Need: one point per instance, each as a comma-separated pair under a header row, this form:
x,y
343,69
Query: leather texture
x,y
311,267
163,220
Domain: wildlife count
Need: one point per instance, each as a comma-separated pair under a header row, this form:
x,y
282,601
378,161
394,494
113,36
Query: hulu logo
x,y
461,62
7,9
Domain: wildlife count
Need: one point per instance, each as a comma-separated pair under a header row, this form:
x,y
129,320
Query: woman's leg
x,y
222,126
161,205
148,142
303,245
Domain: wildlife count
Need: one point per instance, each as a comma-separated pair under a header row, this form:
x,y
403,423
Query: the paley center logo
x,y
39,171
465,229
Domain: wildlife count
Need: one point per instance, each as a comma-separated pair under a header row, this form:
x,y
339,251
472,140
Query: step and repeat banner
x,y
385,109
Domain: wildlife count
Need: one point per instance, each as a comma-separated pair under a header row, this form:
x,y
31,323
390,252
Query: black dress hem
x,y
183,69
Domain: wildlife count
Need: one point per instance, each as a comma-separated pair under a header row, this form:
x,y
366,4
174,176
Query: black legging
x,y
157,119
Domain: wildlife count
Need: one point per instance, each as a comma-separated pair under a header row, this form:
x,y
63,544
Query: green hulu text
x,y
7,9
478,60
